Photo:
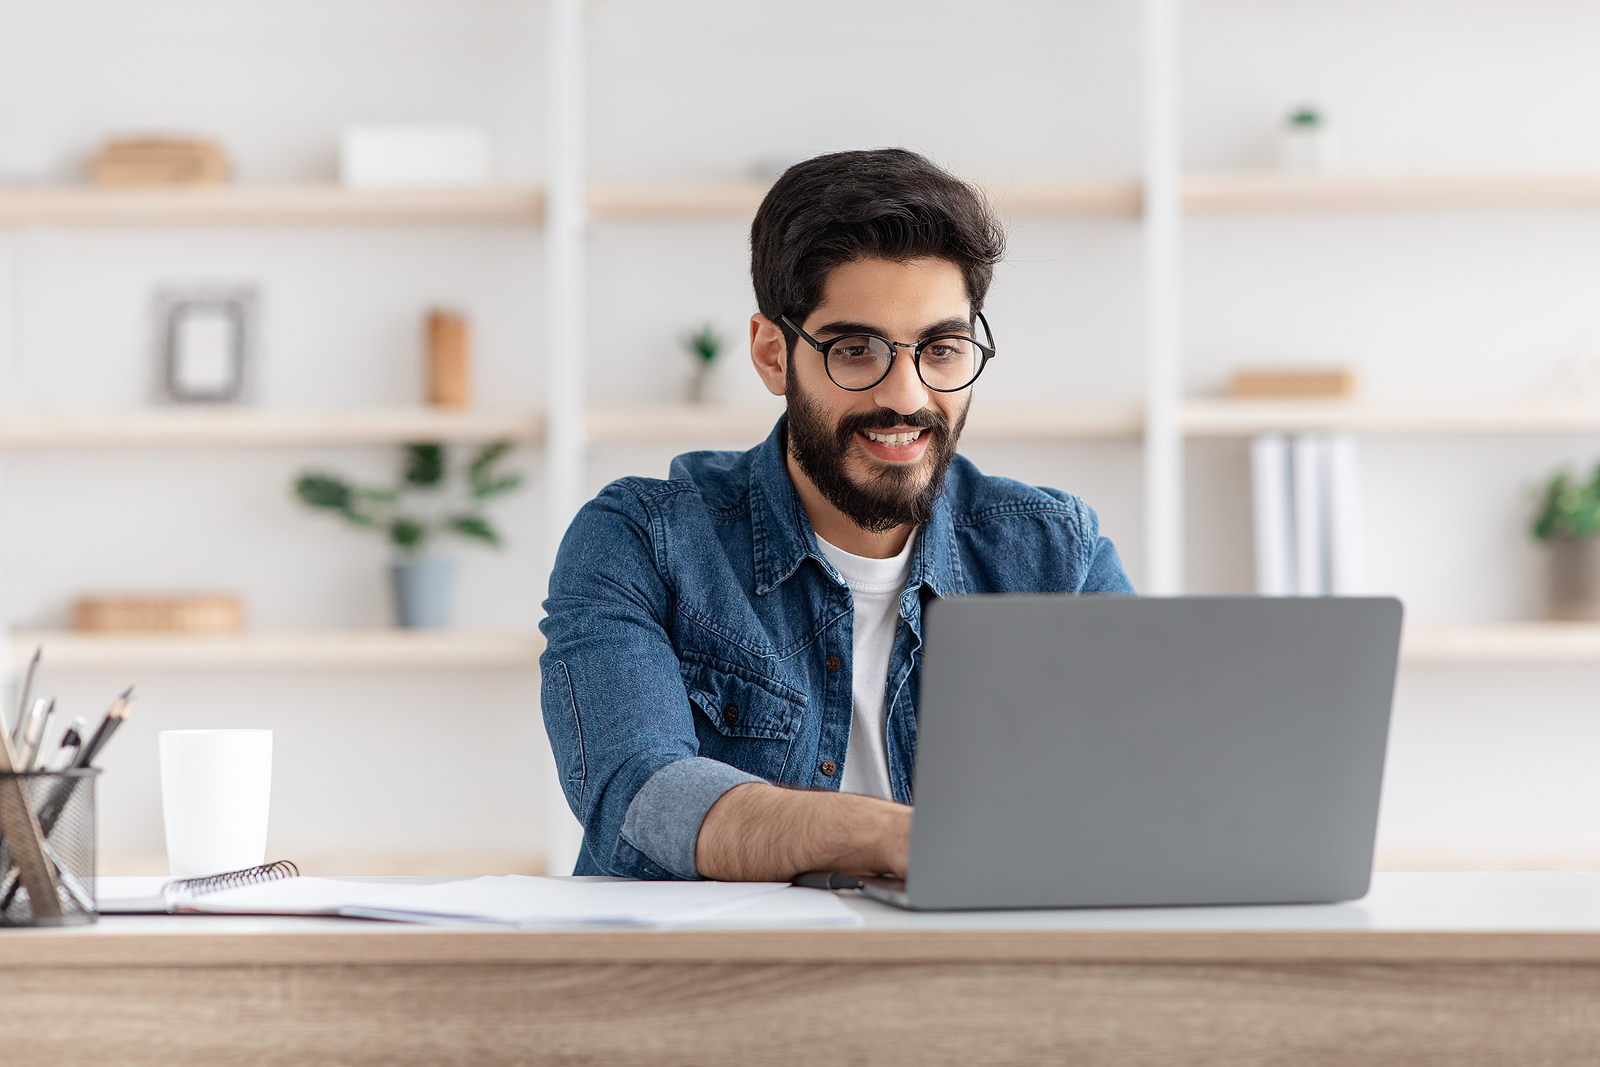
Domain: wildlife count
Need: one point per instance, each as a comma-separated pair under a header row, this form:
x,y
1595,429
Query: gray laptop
x,y
1104,751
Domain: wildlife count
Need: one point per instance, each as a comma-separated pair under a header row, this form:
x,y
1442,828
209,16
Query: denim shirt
x,y
697,639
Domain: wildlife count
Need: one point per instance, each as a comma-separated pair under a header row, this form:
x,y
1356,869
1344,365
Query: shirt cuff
x,y
664,819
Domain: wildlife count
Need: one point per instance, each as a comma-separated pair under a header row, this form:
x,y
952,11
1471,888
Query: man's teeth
x,y
894,439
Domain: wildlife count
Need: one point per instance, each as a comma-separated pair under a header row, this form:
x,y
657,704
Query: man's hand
x,y
761,833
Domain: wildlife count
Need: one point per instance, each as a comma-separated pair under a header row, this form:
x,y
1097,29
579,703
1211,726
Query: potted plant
x,y
426,503
1569,522
703,345
1306,143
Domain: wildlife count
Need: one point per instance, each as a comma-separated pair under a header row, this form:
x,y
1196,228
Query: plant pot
x,y
1574,577
706,384
423,590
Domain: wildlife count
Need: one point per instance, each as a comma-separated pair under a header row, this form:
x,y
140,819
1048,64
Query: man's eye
x,y
854,351
945,351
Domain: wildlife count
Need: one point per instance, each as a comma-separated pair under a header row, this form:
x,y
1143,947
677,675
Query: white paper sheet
x,y
521,900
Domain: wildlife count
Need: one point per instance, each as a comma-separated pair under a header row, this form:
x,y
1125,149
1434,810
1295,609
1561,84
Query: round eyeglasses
x,y
947,363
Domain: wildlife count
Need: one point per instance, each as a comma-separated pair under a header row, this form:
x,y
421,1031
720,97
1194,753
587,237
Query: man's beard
x,y
893,495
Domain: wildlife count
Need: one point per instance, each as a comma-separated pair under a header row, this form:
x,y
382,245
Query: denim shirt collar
x,y
784,537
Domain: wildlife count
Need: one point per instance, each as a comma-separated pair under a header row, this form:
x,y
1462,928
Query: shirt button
x,y
730,714
828,767
833,664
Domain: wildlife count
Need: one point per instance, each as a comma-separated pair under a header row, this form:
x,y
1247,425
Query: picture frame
x,y
205,340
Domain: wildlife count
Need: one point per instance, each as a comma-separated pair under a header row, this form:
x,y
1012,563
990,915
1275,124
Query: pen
x,y
22,699
33,733
71,741
108,726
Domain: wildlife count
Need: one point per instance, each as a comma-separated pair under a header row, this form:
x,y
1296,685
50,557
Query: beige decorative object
x,y
449,359
159,161
206,613
1292,383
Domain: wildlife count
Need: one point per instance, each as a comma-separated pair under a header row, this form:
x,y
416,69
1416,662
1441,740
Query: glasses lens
x,y
858,362
950,362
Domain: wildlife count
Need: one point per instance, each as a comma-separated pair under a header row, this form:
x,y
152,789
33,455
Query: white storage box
x,y
413,156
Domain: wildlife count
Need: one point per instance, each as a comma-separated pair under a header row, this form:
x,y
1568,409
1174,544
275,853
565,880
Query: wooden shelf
x,y
712,424
680,202
643,424
1277,191
725,425
282,649
1242,418
223,427
737,201
87,205
1508,642
330,204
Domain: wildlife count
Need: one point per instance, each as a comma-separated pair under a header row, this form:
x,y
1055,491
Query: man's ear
x,y
770,353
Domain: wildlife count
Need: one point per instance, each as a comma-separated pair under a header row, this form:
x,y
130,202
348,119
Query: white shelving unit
x,y
1158,200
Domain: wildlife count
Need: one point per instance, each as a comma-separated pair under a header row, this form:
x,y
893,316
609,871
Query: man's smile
x,y
896,445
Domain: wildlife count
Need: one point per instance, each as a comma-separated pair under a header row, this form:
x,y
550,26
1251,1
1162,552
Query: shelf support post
x,y
1163,377
565,311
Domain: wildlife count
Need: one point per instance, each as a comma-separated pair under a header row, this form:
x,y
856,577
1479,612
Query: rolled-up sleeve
x,y
615,708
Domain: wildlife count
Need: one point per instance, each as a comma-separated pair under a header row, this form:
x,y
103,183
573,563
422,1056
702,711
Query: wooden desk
x,y
1457,969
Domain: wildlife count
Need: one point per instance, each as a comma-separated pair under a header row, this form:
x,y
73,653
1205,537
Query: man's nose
x,y
901,390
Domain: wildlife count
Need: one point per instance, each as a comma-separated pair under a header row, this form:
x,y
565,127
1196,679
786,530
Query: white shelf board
x,y
88,205
221,427
281,649
1286,191
1507,642
1236,418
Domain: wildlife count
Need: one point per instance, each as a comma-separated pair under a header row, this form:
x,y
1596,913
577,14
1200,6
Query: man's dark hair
x,y
887,203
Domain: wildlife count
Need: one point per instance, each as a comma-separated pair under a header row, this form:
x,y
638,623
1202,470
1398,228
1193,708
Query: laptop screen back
x,y
1105,751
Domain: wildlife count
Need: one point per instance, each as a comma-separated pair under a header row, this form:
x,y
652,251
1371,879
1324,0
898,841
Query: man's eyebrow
x,y
839,329
842,328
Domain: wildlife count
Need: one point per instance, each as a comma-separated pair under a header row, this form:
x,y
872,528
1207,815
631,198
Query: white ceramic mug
x,y
216,788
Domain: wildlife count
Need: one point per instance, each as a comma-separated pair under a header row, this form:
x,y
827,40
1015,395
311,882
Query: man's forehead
x,y
926,288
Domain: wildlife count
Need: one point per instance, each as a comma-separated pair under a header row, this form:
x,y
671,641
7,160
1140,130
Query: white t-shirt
x,y
875,586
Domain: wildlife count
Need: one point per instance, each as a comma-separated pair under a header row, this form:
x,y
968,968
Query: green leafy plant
x,y
426,502
1305,118
1568,508
703,343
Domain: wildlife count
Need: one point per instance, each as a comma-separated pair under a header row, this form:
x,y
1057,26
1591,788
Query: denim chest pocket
x,y
742,718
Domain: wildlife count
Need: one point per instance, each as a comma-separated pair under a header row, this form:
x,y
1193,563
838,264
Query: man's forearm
x,y
759,832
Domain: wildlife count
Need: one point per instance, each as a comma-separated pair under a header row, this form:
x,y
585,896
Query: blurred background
x,y
241,244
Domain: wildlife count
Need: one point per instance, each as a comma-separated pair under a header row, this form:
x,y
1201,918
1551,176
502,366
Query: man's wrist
x,y
764,832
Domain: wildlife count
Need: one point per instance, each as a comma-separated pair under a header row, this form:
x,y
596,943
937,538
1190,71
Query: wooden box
x,y
206,613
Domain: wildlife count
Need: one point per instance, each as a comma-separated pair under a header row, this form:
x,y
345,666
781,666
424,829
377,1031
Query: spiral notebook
x,y
139,895
504,900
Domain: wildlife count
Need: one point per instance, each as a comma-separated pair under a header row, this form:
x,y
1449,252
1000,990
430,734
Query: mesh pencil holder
x,y
47,845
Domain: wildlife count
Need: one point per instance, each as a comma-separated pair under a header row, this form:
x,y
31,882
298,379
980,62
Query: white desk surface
x,y
1470,902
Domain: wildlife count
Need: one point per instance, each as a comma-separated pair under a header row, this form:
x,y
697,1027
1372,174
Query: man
x,y
733,654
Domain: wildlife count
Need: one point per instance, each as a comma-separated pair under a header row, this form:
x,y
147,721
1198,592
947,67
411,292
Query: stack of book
x,y
159,161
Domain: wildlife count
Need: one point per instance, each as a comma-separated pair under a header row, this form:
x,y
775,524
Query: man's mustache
x,y
888,418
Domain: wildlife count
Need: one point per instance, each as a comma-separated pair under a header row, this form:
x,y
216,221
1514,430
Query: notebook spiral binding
x,y
267,872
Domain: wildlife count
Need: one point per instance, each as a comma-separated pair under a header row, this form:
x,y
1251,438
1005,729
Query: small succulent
x,y
424,479
1568,508
703,343
1305,118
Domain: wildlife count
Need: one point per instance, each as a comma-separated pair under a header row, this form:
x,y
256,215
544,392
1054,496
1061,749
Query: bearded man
x,y
733,654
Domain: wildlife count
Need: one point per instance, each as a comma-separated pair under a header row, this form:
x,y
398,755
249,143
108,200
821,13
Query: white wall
x,y
1479,304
